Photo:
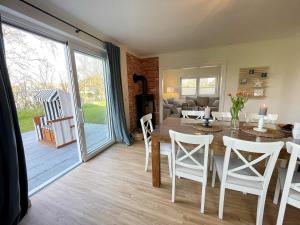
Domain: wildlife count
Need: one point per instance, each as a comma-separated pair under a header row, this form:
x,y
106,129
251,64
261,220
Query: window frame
x,y
216,87
190,78
197,78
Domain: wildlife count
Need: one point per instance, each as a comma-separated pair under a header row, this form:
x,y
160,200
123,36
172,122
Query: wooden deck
x,y
44,162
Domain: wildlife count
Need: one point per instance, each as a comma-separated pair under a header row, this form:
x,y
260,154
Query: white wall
x,y
281,55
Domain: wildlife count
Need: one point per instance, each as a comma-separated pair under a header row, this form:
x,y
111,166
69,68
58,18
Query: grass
x,y
93,113
25,117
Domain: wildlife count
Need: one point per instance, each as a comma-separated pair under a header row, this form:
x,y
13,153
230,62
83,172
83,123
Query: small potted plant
x,y
238,103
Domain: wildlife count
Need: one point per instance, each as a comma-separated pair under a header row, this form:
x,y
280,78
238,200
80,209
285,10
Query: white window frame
x,y
185,78
217,88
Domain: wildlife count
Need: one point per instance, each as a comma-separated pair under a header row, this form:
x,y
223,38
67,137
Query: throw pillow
x,y
216,103
191,103
171,101
212,100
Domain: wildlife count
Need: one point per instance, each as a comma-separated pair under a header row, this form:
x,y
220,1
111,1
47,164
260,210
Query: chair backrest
x,y
195,114
254,117
181,140
147,128
267,149
294,150
222,116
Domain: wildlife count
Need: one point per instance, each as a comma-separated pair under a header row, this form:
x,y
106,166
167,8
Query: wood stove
x,y
144,102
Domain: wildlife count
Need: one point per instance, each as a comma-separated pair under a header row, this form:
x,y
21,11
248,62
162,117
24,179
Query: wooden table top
x,y
187,126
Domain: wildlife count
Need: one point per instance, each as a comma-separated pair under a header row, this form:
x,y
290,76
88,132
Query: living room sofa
x,y
172,107
199,103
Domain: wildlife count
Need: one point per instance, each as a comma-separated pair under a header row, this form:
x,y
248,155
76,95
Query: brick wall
x,y
149,67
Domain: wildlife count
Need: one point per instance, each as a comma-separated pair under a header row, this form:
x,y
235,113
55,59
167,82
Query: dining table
x,y
189,126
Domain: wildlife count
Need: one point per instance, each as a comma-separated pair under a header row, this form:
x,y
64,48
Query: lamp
x,y
171,92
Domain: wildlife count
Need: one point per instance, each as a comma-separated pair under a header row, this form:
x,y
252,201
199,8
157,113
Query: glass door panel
x,y
90,72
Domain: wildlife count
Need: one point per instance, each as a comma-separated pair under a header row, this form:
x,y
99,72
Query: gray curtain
x,y
115,84
13,175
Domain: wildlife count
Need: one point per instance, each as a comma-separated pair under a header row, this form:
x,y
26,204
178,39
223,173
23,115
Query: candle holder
x,y
260,125
206,123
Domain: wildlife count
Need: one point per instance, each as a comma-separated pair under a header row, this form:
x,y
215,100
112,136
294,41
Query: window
x,y
188,86
207,86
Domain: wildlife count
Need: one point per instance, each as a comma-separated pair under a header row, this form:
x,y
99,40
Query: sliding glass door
x,y
89,71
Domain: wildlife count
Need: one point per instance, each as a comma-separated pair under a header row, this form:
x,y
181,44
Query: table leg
x,y
156,181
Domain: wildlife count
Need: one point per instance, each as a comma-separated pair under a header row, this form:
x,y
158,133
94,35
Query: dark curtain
x,y
13,176
115,84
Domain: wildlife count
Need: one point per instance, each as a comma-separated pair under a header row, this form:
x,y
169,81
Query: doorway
x,y
49,98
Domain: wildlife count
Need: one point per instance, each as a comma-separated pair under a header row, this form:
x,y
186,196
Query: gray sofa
x,y
199,103
170,108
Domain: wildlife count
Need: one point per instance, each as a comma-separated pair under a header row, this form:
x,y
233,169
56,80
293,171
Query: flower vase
x,y
235,123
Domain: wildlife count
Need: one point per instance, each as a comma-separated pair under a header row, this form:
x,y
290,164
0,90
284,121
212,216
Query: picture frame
x,y
258,92
243,81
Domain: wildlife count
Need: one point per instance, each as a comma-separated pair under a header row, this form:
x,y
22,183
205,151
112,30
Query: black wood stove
x,y
144,102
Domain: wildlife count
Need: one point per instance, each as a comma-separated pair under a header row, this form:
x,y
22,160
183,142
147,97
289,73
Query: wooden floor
x,y
113,188
44,162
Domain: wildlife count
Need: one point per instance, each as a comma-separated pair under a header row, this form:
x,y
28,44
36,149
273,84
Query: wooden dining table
x,y
161,134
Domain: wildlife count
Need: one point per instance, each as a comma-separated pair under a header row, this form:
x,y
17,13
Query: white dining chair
x,y
190,163
222,116
290,180
194,114
239,174
165,148
218,116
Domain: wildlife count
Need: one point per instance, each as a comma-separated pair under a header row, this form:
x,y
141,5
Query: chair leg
x,y
221,201
147,161
203,197
173,186
213,180
281,211
170,164
260,209
211,160
277,192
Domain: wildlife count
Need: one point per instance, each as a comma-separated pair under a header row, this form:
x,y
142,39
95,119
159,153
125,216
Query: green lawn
x,y
26,118
93,113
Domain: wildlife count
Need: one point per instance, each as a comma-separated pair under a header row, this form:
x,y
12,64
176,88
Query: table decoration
x,y
206,117
211,128
238,103
262,113
270,133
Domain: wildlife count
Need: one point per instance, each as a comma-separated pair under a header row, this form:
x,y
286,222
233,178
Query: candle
x,y
207,112
263,110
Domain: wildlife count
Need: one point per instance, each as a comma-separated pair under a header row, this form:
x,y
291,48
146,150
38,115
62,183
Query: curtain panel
x,y
116,93
13,175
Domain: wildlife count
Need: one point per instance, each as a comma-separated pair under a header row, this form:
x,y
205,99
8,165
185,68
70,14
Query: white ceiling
x,y
157,26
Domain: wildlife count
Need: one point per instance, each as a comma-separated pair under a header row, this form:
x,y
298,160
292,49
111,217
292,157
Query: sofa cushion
x,y
170,101
190,98
190,103
212,100
202,101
